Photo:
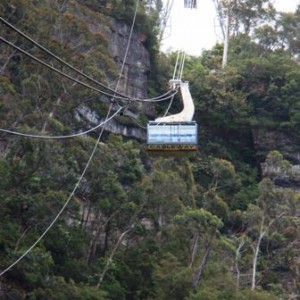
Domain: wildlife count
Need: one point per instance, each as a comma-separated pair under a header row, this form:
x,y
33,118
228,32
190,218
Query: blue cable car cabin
x,y
177,136
176,133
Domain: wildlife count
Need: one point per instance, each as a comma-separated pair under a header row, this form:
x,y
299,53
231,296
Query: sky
x,y
192,30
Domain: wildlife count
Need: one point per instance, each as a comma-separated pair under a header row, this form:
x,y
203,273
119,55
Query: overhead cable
x,y
182,65
73,191
56,57
176,64
156,99
120,95
54,69
127,47
64,206
57,137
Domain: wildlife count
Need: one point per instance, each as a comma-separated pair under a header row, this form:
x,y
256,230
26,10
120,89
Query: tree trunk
x,y
7,62
202,267
236,267
255,254
62,7
106,267
86,213
21,237
93,244
194,248
204,262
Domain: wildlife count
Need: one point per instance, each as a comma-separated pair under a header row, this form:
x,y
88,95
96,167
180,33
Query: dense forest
x,y
94,216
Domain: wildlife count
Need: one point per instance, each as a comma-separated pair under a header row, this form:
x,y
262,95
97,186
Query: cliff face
x,y
132,61
136,60
286,143
91,116
266,140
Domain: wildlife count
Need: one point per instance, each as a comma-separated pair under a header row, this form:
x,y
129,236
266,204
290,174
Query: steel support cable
x,y
180,60
157,99
106,267
54,69
64,206
167,96
71,194
128,44
165,17
122,96
56,57
171,101
178,69
160,98
169,106
57,137
175,67
166,112
182,65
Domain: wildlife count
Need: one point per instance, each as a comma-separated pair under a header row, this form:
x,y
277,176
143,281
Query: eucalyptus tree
x,y
200,228
246,15
288,29
263,219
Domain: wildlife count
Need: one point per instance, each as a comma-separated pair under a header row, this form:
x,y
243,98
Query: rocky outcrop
x,y
283,177
288,144
84,113
132,63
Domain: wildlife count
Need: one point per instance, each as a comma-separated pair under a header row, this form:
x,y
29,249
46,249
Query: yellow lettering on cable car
x,y
172,147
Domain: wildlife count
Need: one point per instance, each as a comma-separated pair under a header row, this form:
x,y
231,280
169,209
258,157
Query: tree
x,y
288,31
247,15
200,228
171,279
262,218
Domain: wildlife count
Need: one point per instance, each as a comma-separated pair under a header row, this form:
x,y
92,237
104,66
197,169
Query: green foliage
x,y
172,280
58,288
214,288
257,295
178,218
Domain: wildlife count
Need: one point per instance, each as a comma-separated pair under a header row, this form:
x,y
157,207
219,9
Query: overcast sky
x,y
195,29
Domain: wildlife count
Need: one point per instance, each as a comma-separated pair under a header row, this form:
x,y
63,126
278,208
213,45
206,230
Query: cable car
x,y
176,133
176,136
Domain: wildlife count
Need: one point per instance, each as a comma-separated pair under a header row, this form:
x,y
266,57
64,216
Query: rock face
x,y
266,140
84,112
283,177
132,60
288,144
135,63
128,51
